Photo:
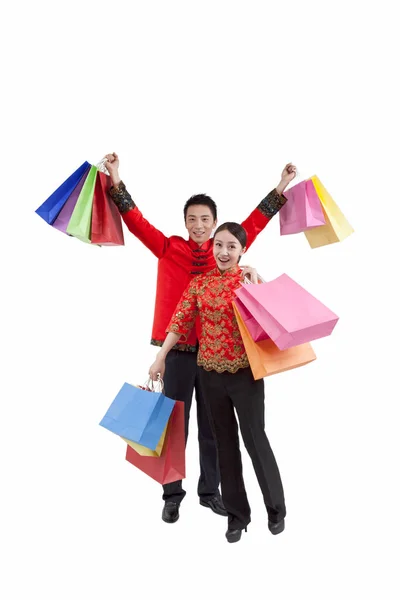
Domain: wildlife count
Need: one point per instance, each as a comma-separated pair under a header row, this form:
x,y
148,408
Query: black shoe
x,y
234,535
170,513
216,505
276,528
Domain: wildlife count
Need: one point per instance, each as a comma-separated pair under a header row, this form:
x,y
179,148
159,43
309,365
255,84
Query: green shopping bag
x,y
80,223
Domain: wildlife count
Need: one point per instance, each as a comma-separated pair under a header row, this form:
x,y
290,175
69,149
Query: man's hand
x,y
112,165
288,174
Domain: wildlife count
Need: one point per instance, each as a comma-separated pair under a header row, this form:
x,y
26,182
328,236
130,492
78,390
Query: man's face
x,y
200,223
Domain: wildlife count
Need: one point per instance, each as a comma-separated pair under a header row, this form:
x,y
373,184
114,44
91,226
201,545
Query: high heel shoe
x,y
276,528
234,535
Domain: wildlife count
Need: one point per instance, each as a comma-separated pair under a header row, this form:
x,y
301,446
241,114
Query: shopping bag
x,y
54,203
302,211
170,466
336,227
253,327
266,359
64,216
138,415
143,451
106,227
79,224
287,312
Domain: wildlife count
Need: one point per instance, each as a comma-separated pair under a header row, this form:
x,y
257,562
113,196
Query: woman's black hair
x,y
235,229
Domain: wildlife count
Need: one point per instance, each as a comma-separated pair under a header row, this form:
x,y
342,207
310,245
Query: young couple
x,y
202,350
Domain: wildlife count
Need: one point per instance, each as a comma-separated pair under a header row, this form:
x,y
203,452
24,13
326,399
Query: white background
x,y
211,97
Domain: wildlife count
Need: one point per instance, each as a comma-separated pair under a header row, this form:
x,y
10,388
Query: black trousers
x,y
226,392
181,379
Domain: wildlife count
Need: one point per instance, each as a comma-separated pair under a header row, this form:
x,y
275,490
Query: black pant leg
x,y
248,399
209,469
225,428
179,382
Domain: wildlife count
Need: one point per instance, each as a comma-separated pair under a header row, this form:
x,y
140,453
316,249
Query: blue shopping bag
x,y
138,415
52,206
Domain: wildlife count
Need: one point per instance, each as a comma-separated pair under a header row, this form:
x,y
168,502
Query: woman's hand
x,y
157,369
250,273
112,165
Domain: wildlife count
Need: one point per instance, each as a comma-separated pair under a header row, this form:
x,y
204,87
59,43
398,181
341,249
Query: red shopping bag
x,y
106,220
170,466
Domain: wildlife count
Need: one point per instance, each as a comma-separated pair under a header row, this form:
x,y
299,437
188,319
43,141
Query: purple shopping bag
x,y
302,211
51,207
64,216
287,312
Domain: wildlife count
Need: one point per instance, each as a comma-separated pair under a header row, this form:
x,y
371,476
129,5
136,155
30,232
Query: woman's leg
x,y
248,399
225,428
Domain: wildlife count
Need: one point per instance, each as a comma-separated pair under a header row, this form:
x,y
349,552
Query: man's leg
x,y
179,382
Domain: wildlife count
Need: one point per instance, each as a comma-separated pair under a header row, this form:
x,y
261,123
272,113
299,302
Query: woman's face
x,y
227,250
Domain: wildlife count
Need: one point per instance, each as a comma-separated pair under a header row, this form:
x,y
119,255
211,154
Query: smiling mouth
x,y
224,260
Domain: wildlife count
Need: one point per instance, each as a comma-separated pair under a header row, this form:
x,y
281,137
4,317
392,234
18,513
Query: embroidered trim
x,y
232,366
122,198
271,204
183,347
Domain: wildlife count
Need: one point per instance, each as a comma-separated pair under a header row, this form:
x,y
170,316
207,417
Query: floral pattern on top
x,y
210,297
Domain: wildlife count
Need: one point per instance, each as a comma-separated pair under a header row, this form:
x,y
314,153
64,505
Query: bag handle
x,y
151,385
101,166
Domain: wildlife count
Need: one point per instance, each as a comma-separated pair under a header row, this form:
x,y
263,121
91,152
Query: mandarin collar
x,y
204,247
232,272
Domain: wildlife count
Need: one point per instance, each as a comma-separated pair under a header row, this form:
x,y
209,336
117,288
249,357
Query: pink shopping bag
x,y
255,330
302,211
287,312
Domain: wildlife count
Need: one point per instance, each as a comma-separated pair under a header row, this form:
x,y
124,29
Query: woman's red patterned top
x,y
210,296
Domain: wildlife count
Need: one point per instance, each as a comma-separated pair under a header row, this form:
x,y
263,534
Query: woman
x,y
228,382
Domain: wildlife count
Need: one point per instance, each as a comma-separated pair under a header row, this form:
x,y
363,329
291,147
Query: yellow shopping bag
x,y
143,451
336,227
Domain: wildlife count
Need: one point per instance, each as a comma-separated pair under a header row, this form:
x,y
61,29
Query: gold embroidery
x,y
220,366
180,346
210,296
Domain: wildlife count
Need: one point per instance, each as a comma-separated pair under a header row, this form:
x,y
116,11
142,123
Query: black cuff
x,y
271,204
122,198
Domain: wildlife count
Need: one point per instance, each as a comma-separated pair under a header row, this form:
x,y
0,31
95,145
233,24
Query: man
x,y
179,261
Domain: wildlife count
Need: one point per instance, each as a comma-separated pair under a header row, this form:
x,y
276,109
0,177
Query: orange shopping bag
x,y
266,359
